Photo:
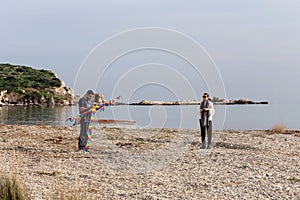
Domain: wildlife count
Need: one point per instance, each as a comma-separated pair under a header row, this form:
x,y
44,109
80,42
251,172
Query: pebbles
x,y
241,165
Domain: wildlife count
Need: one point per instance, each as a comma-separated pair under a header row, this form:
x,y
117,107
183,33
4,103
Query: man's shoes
x,y
209,146
82,149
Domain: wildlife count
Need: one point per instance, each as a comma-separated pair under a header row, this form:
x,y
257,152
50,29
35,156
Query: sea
x,y
227,117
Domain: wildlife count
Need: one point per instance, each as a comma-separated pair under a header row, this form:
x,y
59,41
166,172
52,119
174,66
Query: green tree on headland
x,y
25,84
14,78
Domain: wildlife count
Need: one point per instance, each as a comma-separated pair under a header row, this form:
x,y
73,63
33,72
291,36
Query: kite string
x,y
100,107
77,118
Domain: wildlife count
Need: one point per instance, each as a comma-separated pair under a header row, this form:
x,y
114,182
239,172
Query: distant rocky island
x,y
215,100
22,85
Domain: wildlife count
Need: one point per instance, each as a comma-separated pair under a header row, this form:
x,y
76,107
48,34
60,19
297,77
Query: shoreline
x,y
242,164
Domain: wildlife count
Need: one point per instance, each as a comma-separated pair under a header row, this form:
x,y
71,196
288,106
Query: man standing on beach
x,y
85,104
206,112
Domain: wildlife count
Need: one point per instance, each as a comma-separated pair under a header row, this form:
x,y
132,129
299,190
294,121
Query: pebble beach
x,y
152,163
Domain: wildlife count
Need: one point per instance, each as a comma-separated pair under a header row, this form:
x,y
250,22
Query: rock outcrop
x,y
21,85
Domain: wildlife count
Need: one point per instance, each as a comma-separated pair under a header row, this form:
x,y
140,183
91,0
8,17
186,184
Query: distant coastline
x,y
25,86
196,102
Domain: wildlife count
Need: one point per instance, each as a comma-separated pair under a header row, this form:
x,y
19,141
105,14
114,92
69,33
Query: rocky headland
x,y
22,85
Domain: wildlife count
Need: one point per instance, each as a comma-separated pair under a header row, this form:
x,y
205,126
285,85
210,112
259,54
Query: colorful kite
x,y
93,110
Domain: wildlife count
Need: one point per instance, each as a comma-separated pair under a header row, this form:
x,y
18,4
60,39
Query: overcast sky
x,y
255,44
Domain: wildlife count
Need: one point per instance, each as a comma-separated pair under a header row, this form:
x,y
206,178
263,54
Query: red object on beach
x,y
114,121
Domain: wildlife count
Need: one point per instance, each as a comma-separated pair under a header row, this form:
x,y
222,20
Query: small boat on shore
x,y
114,121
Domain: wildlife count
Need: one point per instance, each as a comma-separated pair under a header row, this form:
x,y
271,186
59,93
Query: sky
x,y
255,45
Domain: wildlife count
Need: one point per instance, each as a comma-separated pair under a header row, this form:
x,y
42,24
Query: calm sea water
x,y
227,117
